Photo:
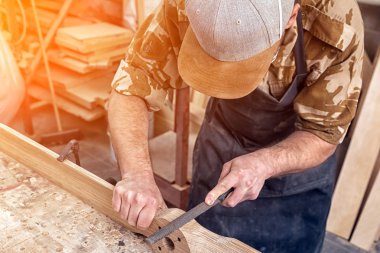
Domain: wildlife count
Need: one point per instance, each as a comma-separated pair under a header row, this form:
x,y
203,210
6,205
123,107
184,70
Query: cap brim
x,y
220,79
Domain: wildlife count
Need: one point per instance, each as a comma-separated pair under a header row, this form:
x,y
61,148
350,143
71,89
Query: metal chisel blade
x,y
183,219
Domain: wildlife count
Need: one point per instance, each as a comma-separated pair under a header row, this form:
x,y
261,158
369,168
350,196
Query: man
x,y
274,120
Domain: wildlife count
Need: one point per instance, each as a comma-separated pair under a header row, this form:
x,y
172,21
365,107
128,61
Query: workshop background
x,y
57,61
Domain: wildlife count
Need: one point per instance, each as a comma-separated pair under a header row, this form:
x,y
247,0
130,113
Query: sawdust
x,y
37,216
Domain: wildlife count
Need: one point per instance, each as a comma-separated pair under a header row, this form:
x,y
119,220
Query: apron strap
x,y
301,67
299,49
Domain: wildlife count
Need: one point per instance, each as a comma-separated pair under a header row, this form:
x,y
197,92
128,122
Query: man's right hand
x,y
137,198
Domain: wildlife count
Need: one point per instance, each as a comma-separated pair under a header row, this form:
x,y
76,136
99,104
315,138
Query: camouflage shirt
x,y
334,52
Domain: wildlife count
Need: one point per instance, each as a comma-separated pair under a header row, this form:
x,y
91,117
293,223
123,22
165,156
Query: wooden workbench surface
x,y
37,216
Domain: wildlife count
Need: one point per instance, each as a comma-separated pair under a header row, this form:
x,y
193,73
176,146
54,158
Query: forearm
x,y
247,173
128,122
299,152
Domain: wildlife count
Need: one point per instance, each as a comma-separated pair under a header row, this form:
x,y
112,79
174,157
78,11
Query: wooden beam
x,y
368,227
98,194
182,117
358,165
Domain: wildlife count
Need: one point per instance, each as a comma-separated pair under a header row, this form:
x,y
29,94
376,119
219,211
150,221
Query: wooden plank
x,y
99,55
88,33
98,194
101,44
368,227
78,66
89,38
358,165
40,93
91,94
64,78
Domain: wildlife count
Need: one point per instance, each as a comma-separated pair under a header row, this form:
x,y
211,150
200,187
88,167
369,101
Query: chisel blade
x,y
184,218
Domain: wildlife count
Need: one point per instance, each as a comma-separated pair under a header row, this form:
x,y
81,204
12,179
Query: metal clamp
x,y
71,148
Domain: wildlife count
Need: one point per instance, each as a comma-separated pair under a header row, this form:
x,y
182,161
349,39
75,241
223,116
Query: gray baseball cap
x,y
230,44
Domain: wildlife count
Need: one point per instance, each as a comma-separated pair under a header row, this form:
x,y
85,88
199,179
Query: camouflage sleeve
x,y
327,106
150,67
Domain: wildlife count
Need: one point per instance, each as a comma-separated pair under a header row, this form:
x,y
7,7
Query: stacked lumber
x,y
85,48
83,95
83,59
47,17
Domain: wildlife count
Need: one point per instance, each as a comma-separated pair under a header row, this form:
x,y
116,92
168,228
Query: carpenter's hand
x,y
137,199
246,174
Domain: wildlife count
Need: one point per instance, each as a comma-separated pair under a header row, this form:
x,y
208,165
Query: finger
x,y
116,199
125,205
224,185
253,193
146,216
225,171
137,204
235,197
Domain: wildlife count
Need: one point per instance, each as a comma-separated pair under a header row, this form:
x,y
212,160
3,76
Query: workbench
x,y
37,216
52,206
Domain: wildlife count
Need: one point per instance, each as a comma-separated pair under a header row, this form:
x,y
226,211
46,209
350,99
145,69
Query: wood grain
x,y
368,227
65,79
99,55
98,194
40,93
88,38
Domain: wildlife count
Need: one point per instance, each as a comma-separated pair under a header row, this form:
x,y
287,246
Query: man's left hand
x,y
246,174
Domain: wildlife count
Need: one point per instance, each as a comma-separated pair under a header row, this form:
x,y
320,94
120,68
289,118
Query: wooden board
x,y
358,165
92,32
42,94
93,37
89,90
91,94
37,216
79,66
98,194
99,55
368,227
64,78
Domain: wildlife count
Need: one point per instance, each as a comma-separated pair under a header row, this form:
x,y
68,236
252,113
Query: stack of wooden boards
x,y
83,95
88,47
83,61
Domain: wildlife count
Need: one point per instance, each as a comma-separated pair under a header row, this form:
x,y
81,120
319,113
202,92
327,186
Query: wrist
x,y
146,172
264,161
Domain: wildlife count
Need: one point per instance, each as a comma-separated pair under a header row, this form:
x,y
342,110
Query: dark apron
x,y
291,211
